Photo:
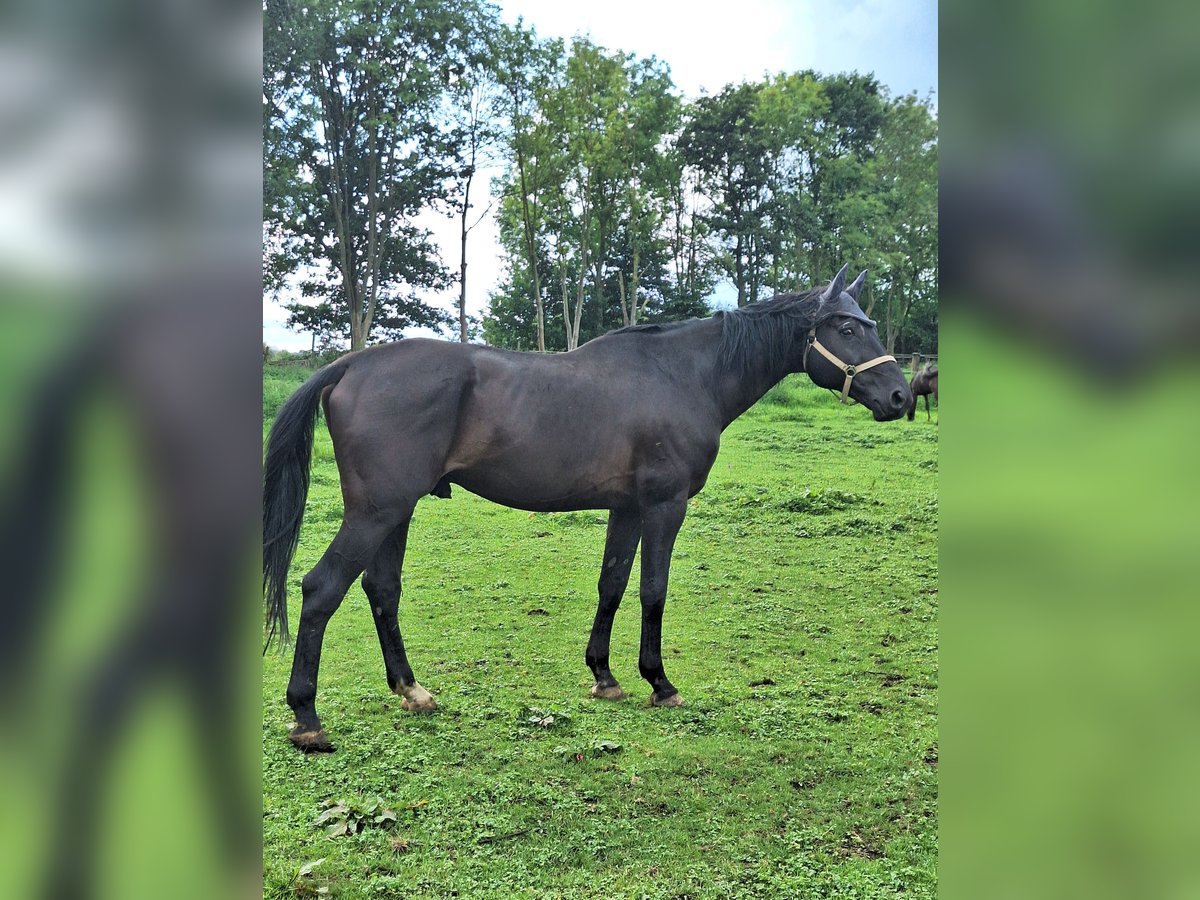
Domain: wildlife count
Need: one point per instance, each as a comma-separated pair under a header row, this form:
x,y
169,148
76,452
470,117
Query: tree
x,y
355,149
583,215
476,104
788,113
730,150
844,199
687,238
586,190
317,319
645,175
906,183
642,202
525,70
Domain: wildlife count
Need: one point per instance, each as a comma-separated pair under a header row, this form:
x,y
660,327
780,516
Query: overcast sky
x,y
706,46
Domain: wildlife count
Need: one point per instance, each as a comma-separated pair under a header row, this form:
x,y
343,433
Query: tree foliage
x,y
356,147
623,201
618,200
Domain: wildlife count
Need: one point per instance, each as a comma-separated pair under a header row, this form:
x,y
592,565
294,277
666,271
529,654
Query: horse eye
x,y
847,330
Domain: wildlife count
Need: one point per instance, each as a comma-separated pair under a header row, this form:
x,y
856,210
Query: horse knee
x,y
653,591
321,595
610,591
311,583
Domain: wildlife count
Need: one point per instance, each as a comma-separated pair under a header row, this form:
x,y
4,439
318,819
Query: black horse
x,y
630,422
923,384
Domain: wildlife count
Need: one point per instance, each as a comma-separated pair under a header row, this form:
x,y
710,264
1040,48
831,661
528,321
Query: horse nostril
x,y
899,400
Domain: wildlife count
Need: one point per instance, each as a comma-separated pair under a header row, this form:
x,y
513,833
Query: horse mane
x,y
751,335
765,331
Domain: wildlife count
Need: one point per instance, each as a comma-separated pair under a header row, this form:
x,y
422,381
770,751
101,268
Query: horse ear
x,y
857,285
837,285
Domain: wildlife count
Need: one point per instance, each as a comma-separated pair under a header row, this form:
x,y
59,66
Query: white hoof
x,y
613,692
673,700
416,698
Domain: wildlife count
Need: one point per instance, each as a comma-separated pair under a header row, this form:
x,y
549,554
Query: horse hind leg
x,y
382,583
324,587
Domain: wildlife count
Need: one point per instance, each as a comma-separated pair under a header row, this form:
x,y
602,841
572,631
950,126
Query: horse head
x,y
848,355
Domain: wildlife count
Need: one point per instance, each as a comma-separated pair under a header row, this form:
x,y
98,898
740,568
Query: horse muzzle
x,y
894,407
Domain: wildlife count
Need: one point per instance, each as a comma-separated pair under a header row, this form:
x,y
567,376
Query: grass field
x,y
800,627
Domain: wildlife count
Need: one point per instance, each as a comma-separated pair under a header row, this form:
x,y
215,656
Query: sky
x,y
706,47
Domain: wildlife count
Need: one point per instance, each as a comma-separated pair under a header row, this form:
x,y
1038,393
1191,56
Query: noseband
x,y
848,370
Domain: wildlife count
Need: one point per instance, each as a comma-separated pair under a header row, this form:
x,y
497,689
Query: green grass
x,y
801,629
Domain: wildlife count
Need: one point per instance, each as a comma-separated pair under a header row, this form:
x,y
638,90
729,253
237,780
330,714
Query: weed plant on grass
x,y
800,627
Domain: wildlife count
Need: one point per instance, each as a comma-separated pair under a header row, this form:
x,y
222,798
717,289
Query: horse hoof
x,y
675,699
416,699
310,741
612,692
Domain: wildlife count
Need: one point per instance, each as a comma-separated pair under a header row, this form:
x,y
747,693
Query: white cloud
x,y
731,42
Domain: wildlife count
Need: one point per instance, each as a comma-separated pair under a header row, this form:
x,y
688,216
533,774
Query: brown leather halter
x,y
848,370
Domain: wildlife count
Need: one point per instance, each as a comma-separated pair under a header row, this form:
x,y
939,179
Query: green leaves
x,y
588,189
356,147
340,818
578,754
546,720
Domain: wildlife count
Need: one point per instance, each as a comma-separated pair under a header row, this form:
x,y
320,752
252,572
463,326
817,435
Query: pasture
x,y
800,627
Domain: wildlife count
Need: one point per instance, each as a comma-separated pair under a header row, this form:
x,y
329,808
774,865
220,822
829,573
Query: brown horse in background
x,y
923,384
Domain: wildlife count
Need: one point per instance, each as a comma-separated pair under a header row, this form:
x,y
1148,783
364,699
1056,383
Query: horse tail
x,y
285,489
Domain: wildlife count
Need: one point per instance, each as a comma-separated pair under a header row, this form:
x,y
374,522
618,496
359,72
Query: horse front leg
x,y
620,544
660,525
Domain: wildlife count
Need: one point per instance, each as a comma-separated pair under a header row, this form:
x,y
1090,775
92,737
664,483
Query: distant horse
x,y
629,422
923,384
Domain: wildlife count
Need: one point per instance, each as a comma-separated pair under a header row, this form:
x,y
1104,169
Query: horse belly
x,y
545,485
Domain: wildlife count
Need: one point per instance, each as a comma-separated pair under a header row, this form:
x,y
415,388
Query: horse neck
x,y
739,389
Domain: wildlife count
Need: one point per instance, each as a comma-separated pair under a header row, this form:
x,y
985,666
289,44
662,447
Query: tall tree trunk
x,y
572,323
335,188
531,254
891,335
462,266
598,285
635,310
373,249
621,298
740,271
566,298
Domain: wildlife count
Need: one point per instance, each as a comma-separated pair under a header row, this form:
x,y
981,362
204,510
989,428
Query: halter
x,y
848,370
